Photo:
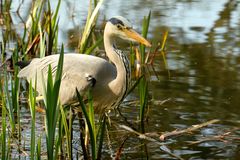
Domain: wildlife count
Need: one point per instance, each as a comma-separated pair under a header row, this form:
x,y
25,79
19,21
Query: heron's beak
x,y
134,35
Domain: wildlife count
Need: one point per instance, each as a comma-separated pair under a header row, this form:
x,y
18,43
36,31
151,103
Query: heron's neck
x,y
120,60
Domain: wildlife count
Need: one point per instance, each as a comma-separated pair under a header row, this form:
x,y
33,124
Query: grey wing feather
x,y
37,71
79,71
70,82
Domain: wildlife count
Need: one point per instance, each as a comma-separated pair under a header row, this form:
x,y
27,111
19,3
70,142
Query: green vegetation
x,y
39,39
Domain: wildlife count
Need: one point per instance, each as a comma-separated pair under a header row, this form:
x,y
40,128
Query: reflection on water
x,y
203,54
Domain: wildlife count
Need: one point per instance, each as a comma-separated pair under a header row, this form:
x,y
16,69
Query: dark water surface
x,y
203,54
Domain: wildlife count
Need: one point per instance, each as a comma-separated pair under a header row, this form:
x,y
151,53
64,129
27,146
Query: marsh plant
x,y
39,39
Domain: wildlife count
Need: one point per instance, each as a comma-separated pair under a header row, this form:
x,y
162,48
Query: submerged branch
x,y
187,130
224,137
163,147
162,137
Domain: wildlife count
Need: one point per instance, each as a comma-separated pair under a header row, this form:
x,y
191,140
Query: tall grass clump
x,y
89,27
9,103
53,29
65,129
31,27
10,108
40,38
143,84
15,84
41,30
10,90
52,106
96,133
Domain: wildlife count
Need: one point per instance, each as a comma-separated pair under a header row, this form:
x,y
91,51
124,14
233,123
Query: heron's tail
x,y
22,64
24,72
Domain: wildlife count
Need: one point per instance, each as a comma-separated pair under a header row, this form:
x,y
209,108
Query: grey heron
x,y
109,81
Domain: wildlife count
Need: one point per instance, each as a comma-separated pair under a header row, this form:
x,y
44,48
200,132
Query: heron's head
x,y
120,27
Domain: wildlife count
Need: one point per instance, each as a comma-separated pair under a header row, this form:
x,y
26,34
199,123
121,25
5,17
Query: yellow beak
x,y
134,35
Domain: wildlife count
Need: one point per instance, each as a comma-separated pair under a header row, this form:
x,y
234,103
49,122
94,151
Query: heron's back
x,y
77,68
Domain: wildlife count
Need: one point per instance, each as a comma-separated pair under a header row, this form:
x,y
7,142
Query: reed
x,y
89,116
32,104
52,106
100,136
4,127
145,27
42,29
96,132
143,84
163,53
66,124
52,29
38,148
15,95
143,96
8,99
31,27
5,6
40,39
89,26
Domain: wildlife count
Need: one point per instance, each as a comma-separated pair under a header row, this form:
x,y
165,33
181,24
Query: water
x,y
203,54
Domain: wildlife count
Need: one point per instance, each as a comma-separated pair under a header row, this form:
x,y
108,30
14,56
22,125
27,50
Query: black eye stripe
x,y
116,21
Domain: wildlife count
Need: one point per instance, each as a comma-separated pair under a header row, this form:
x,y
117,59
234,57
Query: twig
x,y
222,137
163,147
161,102
120,149
212,138
187,130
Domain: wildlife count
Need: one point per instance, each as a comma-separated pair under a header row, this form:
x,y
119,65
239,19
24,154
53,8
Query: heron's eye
x,y
119,27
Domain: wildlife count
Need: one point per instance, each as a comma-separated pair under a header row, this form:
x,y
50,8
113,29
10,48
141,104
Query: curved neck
x,y
120,84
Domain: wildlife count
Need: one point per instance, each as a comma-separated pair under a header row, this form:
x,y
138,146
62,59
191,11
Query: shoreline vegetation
x,y
56,141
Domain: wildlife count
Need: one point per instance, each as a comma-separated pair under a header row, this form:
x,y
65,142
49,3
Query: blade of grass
x,y
52,105
42,42
32,104
3,132
9,106
89,119
143,93
15,95
162,51
90,23
146,22
67,132
95,45
165,35
38,149
52,29
135,84
101,137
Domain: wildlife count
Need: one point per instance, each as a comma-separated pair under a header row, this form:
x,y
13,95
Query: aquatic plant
x,y
89,27
96,135
4,149
32,105
40,39
52,106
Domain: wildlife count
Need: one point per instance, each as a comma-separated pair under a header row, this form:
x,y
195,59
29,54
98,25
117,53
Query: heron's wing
x,y
39,66
37,71
72,81
79,71
84,72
